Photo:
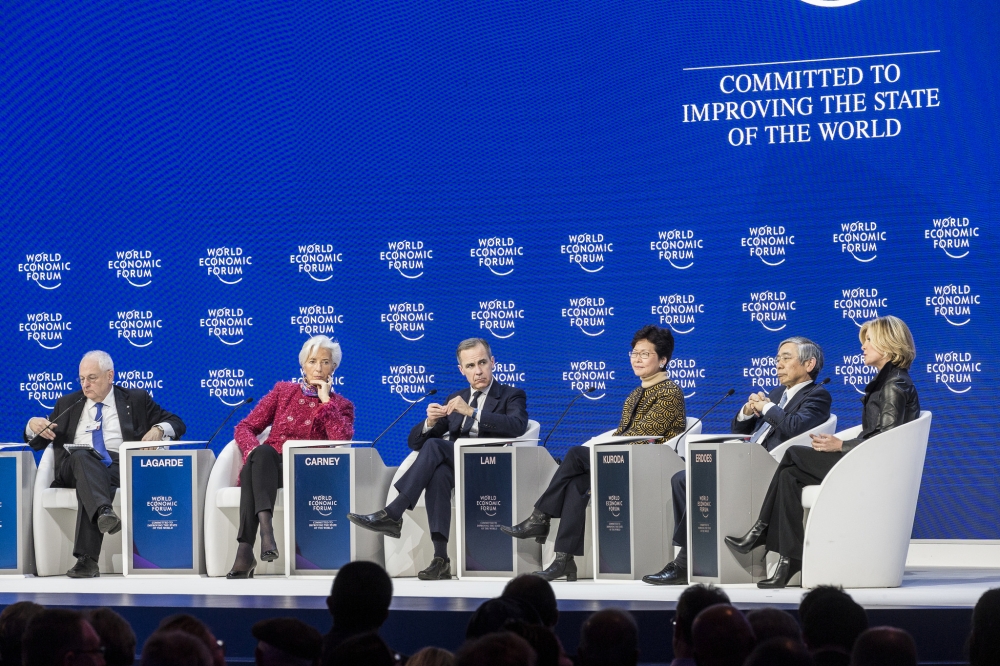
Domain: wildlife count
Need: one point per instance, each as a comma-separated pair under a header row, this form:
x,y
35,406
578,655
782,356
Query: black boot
x,y
245,563
268,546
755,537
563,565
787,567
84,568
439,569
536,525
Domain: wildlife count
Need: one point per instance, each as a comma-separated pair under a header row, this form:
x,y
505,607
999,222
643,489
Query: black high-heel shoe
x,y
234,574
757,536
269,555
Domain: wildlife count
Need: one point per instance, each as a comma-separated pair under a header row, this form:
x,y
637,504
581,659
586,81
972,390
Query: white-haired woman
x,y
306,409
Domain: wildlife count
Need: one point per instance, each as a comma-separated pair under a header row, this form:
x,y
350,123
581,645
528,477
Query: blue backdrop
x,y
195,187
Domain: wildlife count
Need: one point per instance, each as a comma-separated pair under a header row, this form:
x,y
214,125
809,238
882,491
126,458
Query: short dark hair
x,y
661,339
768,623
116,636
368,649
781,651
832,619
498,649
175,648
722,635
360,596
541,639
191,625
692,601
884,646
536,591
13,621
983,646
609,637
492,614
50,634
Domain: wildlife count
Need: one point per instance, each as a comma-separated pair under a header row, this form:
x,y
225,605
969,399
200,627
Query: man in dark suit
x,y
86,428
485,409
794,407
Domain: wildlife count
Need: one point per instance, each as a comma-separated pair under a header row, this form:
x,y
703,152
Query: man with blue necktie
x,y
795,406
86,428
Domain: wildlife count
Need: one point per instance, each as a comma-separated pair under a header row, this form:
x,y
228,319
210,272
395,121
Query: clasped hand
x,y
436,411
756,403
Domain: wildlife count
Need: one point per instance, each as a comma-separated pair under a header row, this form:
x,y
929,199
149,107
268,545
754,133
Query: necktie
x,y
467,426
765,427
97,437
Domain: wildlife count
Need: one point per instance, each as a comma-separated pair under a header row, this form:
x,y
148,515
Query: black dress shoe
x,y
563,565
84,568
108,521
787,567
269,555
668,575
234,574
378,522
536,525
757,536
440,569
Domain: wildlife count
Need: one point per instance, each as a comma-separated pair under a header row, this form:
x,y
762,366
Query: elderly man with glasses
x,y
797,405
85,429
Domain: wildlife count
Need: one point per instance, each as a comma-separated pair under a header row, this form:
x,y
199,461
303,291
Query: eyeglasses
x,y
644,355
784,358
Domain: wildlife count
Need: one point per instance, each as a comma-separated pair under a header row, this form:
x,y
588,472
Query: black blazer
x,y
890,400
807,409
137,413
504,413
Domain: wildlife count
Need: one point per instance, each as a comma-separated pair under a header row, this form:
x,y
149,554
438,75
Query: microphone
x,y
810,389
38,442
700,418
247,401
408,408
589,389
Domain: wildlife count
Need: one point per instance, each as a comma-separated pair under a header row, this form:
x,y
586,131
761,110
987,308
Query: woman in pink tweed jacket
x,y
295,410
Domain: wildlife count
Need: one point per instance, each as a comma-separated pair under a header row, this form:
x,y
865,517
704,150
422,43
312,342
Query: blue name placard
x,y
8,513
614,517
489,499
322,501
703,514
161,507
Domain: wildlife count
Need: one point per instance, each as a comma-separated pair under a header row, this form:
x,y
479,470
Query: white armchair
x,y
826,428
222,516
53,517
859,519
413,551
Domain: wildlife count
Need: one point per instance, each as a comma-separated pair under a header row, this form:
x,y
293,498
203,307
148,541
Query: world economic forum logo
x,y
46,387
44,269
45,328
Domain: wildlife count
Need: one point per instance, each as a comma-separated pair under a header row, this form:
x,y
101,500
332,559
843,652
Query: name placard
x,y
703,513
614,512
161,510
489,501
322,501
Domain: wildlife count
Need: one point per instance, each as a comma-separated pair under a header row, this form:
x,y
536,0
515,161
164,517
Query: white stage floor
x,y
922,588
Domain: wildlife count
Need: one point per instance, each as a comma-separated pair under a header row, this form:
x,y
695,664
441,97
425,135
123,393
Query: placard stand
x,y
17,481
632,506
726,482
497,484
163,507
324,481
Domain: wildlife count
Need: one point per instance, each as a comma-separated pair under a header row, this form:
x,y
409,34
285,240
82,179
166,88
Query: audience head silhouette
x,y
360,596
497,649
54,633
173,647
780,651
692,601
492,614
116,635
536,591
831,620
983,646
13,621
722,637
884,646
768,623
286,641
189,624
609,637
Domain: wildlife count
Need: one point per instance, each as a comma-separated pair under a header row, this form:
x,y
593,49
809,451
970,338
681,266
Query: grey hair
x,y
320,342
103,359
807,350
471,343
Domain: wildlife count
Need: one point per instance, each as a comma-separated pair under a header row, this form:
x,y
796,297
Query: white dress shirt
x,y
111,426
479,411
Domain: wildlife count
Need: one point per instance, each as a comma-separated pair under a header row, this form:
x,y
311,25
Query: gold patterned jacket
x,y
657,409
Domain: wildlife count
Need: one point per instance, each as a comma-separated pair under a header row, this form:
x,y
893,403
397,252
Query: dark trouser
x,y
260,478
433,471
678,488
801,466
566,498
95,487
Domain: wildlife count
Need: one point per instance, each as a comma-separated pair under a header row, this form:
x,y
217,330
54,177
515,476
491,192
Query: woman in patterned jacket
x,y
655,408
306,409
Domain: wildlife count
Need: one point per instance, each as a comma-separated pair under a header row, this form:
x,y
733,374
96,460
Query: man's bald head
x,y
722,637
